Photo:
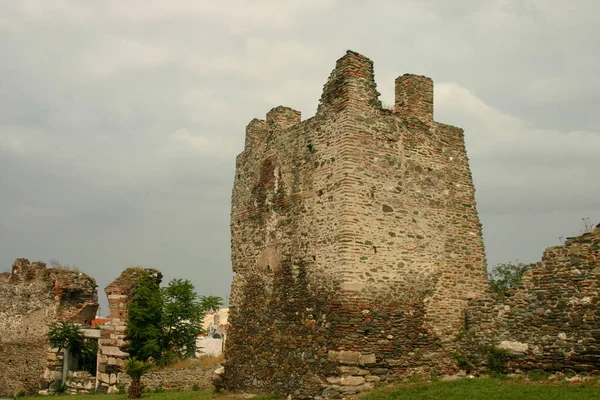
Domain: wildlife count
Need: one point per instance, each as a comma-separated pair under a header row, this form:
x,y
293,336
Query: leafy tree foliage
x,y
65,335
507,275
182,318
68,335
212,303
163,324
145,320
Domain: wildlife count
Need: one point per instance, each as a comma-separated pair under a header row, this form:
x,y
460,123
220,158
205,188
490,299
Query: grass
x,y
469,389
184,395
487,389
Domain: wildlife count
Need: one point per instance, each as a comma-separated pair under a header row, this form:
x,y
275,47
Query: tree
x,y
65,335
507,275
135,369
163,324
212,303
145,320
182,318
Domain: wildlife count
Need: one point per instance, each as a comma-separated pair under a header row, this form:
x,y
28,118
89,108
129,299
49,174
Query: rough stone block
x,y
334,380
514,347
104,377
113,351
348,357
352,380
366,359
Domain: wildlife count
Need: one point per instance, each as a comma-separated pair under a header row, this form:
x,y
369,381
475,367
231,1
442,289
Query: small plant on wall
x,y
68,335
65,335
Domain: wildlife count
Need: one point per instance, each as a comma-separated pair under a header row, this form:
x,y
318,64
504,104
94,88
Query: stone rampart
x,y
31,298
551,321
190,378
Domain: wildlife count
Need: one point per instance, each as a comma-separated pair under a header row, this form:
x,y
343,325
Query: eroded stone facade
x,y
31,298
355,241
551,320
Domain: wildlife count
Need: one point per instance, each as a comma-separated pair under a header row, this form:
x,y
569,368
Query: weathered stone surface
x,y
550,320
352,380
513,347
366,359
113,351
199,377
31,297
355,238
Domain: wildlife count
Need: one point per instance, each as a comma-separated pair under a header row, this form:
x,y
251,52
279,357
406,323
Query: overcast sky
x,y
120,120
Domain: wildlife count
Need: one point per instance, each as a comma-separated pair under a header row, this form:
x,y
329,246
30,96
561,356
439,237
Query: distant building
x,y
215,326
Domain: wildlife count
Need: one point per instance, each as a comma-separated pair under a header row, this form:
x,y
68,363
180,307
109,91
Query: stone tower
x,y
355,241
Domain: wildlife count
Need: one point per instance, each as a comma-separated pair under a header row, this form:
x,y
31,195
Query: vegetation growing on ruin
x,y
507,275
68,335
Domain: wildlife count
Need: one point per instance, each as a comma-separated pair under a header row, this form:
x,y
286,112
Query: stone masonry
x,y
551,320
31,298
112,345
356,242
195,377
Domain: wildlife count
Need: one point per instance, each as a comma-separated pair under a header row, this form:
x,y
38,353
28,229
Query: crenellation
x,y
414,97
281,118
351,85
256,132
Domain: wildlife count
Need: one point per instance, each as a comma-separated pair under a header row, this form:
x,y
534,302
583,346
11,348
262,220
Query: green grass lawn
x,y
464,389
487,389
186,395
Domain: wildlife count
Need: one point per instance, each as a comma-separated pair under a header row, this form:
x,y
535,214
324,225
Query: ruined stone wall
x,y
551,321
355,241
112,345
31,298
189,378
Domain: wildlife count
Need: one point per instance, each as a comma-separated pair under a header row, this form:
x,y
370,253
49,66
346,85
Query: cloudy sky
x,y
120,120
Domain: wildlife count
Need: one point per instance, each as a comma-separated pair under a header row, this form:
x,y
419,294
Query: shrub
x,y
135,369
507,275
496,360
461,359
65,335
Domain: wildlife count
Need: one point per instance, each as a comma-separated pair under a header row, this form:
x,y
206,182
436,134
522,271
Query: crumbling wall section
x,y
356,242
196,377
31,298
551,320
113,345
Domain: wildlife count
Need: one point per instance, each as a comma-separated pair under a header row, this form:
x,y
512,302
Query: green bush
x,y
496,360
65,335
507,275
461,359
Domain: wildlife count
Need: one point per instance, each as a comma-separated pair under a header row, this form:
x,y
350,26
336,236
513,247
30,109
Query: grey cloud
x,y
120,121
